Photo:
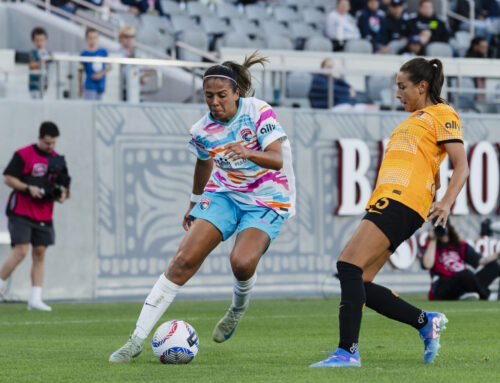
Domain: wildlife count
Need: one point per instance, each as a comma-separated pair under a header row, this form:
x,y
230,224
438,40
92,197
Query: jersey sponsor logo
x,y
268,128
229,164
452,125
39,170
246,134
204,203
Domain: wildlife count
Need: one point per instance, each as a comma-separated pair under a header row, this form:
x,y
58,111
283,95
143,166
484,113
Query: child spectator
x,y
95,72
39,59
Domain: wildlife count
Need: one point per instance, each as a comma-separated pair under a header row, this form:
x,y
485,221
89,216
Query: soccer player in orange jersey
x,y
400,204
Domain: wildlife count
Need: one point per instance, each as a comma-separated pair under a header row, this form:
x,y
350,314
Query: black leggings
x,y
466,281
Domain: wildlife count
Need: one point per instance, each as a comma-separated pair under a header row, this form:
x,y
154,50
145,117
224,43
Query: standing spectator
x,y
427,20
39,59
95,73
341,26
372,25
397,21
447,256
31,205
343,93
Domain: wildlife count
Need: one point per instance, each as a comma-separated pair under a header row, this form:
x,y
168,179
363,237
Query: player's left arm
x,y
441,209
270,158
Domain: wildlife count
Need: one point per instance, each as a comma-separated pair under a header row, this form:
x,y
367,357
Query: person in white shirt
x,y
341,26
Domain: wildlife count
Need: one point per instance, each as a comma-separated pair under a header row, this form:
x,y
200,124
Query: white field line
x,y
89,321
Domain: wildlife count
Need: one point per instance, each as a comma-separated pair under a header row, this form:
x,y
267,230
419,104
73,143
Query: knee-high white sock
x,y
242,291
36,294
156,303
1,283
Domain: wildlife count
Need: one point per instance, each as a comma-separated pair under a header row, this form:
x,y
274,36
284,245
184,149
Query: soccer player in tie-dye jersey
x,y
243,182
401,202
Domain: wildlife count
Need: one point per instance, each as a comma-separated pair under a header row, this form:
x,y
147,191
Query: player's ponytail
x,y
431,71
237,74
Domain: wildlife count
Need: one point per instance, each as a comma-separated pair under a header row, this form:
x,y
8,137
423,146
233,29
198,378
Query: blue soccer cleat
x,y
431,333
340,358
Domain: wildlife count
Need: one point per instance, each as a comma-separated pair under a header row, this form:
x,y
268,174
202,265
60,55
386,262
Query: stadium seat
x,y
256,12
439,49
234,40
215,28
196,38
171,8
153,38
196,9
300,31
326,5
395,45
461,42
298,84
272,28
285,15
379,89
358,46
227,12
246,27
318,43
183,22
128,18
155,22
315,17
278,42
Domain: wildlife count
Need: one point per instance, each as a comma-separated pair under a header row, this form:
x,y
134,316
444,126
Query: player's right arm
x,y
202,172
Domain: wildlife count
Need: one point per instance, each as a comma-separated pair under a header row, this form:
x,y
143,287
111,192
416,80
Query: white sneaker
x,y
469,297
493,297
38,305
226,326
129,350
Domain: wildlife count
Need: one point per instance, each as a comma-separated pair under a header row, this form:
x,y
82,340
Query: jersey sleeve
x,y
197,148
15,167
448,127
268,128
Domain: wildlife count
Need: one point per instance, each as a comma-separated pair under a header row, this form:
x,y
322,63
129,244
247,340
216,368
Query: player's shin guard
x,y
351,304
389,304
157,302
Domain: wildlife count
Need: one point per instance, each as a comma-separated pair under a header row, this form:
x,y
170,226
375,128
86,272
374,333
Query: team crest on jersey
x,y
246,134
39,170
204,203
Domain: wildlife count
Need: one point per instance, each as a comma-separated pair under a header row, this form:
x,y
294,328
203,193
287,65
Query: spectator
x,y
478,49
447,256
132,76
372,25
413,47
397,21
427,20
146,6
341,26
31,175
95,72
343,93
39,59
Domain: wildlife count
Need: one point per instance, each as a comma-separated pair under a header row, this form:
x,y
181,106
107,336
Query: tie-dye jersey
x,y
255,127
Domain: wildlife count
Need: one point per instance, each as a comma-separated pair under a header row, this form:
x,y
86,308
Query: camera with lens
x,y
488,227
440,231
57,179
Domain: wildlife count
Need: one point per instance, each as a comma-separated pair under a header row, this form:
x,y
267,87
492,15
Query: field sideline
x,y
275,342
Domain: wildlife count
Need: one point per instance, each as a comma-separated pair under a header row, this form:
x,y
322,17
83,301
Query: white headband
x,y
220,75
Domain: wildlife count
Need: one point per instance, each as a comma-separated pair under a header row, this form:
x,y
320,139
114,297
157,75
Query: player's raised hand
x,y
441,210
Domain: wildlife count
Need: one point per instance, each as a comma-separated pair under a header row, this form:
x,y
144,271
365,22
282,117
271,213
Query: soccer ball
x,y
175,342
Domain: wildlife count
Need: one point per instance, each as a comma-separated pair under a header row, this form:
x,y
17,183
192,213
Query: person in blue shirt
x,y
95,72
343,93
39,60
373,26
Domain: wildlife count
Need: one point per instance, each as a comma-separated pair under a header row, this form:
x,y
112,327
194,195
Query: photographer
x,y
447,257
38,177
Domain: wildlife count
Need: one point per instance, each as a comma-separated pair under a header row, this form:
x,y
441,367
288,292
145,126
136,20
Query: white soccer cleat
x,y
38,305
226,326
129,350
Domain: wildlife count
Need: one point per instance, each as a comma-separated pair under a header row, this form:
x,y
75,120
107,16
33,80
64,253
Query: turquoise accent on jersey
x,y
229,215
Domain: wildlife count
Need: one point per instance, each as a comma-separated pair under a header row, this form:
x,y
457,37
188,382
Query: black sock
x,y
352,302
388,303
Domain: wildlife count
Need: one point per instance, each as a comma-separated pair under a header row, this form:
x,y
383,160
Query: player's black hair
x,y
48,128
238,74
431,71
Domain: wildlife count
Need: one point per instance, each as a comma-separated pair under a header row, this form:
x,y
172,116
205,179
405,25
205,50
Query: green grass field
x,y
275,342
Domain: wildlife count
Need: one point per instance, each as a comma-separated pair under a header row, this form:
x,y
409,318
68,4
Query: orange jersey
x,y
413,156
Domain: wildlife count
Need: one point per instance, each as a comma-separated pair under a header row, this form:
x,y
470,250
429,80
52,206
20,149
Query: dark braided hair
x,y
431,71
237,74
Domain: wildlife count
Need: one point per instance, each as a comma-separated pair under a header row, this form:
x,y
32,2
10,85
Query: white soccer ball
x,y
175,342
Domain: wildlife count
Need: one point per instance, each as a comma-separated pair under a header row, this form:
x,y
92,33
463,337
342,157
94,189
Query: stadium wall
x,y
132,177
